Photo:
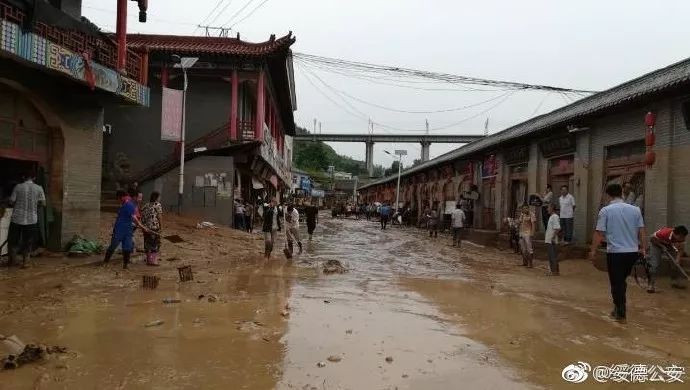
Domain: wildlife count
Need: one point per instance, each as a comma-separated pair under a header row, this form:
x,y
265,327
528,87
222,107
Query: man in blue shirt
x,y
385,215
623,228
123,231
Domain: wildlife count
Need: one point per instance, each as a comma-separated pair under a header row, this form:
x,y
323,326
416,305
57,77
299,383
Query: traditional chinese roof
x,y
662,80
183,44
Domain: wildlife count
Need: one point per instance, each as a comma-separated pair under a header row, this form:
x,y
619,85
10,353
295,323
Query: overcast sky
x,y
584,44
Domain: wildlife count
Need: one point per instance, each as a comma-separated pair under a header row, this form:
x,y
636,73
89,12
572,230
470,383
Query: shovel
x,y
682,271
13,344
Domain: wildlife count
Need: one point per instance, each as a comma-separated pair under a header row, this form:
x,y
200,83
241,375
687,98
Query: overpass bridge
x,y
370,139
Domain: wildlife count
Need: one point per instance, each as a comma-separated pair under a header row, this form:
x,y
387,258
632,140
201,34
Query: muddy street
x,y
410,313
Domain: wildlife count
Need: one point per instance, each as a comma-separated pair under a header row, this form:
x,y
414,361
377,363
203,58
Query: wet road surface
x,y
411,313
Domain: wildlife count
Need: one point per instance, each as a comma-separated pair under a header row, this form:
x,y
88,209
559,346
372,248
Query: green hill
x,y
315,157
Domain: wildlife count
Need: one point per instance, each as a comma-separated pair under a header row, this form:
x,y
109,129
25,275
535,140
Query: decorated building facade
x,y
58,72
240,103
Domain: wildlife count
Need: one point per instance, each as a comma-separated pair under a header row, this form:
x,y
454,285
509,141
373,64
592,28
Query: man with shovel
x,y
666,242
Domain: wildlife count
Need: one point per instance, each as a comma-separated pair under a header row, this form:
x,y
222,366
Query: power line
x,y
221,12
420,74
398,110
238,12
540,104
249,14
209,15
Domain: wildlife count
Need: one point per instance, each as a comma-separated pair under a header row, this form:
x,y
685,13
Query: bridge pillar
x,y
425,151
369,158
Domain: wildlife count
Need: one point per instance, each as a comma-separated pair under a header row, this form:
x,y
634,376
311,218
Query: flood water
x,y
411,313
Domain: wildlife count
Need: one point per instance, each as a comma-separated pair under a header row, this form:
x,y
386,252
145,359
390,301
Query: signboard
x,y
318,193
305,184
558,146
171,115
270,153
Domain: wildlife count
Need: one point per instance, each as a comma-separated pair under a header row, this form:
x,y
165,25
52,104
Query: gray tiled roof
x,y
649,83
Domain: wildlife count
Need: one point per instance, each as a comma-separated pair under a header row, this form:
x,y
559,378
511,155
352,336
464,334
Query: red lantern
x,y
650,138
649,158
650,119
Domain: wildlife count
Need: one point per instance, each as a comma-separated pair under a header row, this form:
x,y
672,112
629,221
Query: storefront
x,y
625,164
516,160
559,153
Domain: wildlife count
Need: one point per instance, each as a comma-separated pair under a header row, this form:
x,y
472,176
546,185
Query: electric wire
x,y
209,15
238,12
249,14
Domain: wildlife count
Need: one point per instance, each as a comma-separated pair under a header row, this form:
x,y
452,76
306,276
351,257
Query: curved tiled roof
x,y
209,45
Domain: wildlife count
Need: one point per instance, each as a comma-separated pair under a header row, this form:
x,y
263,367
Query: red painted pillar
x,y
164,75
121,33
260,106
144,79
234,105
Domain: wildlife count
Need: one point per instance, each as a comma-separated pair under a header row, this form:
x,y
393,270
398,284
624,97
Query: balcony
x,y
89,57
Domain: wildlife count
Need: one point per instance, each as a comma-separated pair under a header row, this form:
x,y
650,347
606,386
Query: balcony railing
x,y
215,139
100,49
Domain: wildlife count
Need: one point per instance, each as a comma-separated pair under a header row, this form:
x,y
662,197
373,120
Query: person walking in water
x,y
292,228
312,216
527,225
385,215
553,226
152,218
432,223
623,228
271,226
123,231
457,219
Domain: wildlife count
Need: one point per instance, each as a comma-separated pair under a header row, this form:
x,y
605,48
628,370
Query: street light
x,y
184,63
399,154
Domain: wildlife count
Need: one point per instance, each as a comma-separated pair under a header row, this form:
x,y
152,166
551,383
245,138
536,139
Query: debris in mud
x,y
212,298
171,300
405,376
150,282
333,267
172,259
154,323
206,225
31,353
186,273
389,359
175,239
321,364
326,301
285,313
349,331
335,358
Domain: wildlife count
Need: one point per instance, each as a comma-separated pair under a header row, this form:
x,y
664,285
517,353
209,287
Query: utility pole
x,y
427,126
319,127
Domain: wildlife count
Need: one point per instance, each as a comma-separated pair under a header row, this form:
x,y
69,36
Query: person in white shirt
x,y
457,218
546,200
567,213
292,228
25,199
553,226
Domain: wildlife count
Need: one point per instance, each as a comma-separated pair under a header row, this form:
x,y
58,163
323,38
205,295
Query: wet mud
x,y
410,313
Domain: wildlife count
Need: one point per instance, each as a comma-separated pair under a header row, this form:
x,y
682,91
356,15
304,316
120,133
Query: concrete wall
x,y
136,130
216,208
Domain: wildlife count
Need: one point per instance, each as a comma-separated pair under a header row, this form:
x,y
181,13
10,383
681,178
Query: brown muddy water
x,y
409,314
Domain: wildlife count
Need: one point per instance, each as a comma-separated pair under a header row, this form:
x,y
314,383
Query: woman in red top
x,y
665,239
